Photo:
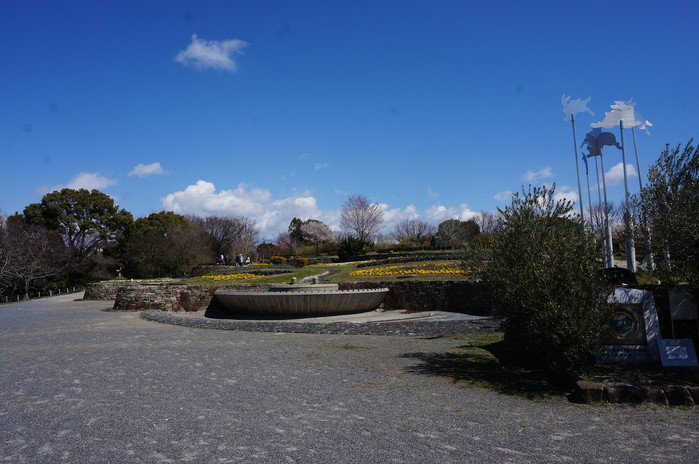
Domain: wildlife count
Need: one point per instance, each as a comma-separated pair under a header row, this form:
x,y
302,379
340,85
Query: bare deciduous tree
x,y
413,230
487,221
227,235
361,218
28,253
597,218
456,232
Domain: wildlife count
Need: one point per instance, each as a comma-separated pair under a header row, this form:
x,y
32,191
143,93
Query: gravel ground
x,y
78,384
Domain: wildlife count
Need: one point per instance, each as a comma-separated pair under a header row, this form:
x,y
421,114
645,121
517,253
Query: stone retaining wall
x,y
456,297
463,297
172,296
104,290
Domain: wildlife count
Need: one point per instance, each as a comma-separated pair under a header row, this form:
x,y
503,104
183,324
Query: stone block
x,y
694,391
653,395
678,396
623,394
588,392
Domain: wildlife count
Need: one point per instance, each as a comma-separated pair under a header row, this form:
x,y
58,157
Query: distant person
x,y
247,261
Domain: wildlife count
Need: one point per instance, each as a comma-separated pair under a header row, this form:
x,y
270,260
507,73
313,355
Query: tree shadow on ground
x,y
486,365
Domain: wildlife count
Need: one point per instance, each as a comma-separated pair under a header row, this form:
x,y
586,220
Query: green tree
x,y
669,203
295,230
547,290
350,247
88,220
161,244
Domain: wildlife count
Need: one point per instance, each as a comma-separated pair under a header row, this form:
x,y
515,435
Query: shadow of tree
x,y
487,366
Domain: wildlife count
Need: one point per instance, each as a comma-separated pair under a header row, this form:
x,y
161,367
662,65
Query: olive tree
x,y
544,276
669,202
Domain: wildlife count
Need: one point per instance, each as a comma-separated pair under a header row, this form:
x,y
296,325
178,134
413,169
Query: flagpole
x,y
577,166
607,227
644,224
628,219
599,190
638,164
589,197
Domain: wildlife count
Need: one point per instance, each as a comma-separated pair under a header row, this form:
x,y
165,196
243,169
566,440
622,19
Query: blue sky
x,y
278,109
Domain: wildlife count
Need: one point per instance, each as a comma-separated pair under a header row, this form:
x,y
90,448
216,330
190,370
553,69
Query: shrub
x,y
546,290
349,247
277,260
301,262
669,202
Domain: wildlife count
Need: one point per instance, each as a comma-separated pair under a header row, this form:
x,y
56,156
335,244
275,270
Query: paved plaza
x,y
79,384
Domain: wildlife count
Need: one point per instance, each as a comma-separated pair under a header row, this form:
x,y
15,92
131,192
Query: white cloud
x,y
204,54
322,165
431,193
143,170
304,156
279,214
616,174
202,199
273,216
83,180
438,213
535,176
505,195
563,192
433,215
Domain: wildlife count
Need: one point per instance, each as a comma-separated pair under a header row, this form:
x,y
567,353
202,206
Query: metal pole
x,y
644,223
628,218
577,166
638,163
599,190
607,229
589,197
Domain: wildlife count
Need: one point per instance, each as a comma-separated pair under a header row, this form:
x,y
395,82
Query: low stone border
x,y
672,395
419,328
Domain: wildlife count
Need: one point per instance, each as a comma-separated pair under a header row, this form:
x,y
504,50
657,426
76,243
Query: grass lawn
x,y
342,272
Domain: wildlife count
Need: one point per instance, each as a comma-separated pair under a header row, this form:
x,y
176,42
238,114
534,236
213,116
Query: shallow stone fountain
x,y
299,299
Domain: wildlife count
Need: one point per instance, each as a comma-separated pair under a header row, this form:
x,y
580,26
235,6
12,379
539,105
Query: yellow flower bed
x,y
226,277
406,270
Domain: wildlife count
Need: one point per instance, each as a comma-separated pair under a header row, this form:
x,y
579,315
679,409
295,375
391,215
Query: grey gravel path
x,y
82,385
438,324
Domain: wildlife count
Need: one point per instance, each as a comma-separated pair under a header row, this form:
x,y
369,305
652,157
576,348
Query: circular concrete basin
x,y
301,302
